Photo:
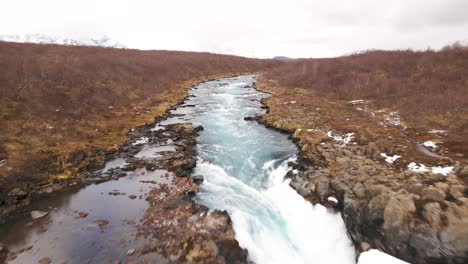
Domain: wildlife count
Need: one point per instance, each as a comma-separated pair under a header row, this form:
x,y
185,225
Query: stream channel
x,y
243,164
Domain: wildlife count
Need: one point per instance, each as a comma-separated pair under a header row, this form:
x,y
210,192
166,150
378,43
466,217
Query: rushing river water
x,y
243,165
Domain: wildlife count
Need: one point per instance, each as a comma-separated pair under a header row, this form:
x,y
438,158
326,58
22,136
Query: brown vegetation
x,y
429,89
420,217
57,103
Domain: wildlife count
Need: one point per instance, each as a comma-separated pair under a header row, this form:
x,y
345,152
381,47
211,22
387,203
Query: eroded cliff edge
x,y
394,194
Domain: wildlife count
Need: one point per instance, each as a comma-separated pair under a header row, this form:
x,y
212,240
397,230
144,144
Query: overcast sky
x,y
256,28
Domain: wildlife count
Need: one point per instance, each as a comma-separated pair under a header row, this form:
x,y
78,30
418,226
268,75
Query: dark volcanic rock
x,y
3,253
182,230
251,118
197,179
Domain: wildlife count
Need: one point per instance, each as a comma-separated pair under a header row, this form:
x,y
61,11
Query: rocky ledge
x,y
175,226
415,212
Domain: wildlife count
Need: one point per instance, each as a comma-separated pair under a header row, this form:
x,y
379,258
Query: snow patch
x,y
374,256
367,111
438,131
435,170
142,140
393,118
390,159
114,164
158,127
430,144
359,101
346,139
417,168
102,41
442,170
332,199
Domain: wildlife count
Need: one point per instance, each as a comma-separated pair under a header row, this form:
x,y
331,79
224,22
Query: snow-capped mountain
x,y
46,39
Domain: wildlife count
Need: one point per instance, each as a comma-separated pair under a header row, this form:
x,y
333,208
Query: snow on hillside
x,y
46,39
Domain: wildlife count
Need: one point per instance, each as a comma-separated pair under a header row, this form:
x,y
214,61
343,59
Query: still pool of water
x,y
64,237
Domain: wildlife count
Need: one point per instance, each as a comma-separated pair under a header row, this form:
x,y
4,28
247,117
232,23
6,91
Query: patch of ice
x,y
346,139
154,151
390,159
367,111
417,168
374,256
430,144
359,101
142,140
114,164
158,127
442,170
438,131
332,199
293,102
310,130
393,118
436,170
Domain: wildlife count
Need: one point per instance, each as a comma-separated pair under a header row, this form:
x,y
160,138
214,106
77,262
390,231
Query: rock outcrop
x,y
418,216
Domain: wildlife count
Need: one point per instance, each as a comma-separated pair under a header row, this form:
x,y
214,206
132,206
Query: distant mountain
x,y
46,39
282,58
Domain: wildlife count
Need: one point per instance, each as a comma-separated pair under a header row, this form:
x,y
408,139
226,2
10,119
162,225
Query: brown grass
x,y
429,89
59,100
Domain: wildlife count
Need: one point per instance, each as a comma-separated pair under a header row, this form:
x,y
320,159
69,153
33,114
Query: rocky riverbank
x,y
176,227
395,193
50,172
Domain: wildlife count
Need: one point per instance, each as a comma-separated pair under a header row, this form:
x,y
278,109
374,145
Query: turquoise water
x,y
243,165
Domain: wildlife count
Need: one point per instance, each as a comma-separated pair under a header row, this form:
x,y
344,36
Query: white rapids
x,y
243,165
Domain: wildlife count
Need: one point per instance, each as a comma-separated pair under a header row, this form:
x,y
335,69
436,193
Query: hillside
x,y
62,106
386,133
428,89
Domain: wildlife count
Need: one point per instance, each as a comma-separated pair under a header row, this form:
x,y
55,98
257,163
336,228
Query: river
x,y
243,165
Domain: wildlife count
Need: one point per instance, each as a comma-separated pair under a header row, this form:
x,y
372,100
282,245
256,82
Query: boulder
x,y
365,246
432,193
432,213
398,212
463,172
38,214
359,190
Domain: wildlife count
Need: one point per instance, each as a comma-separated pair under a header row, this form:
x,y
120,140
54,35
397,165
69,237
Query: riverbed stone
x,y
18,192
433,214
398,211
365,246
38,214
359,190
432,193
